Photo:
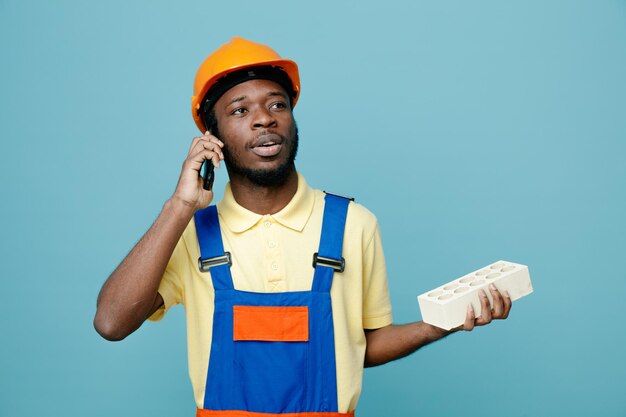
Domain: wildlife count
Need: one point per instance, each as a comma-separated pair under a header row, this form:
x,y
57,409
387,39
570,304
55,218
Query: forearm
x,y
393,342
129,295
397,341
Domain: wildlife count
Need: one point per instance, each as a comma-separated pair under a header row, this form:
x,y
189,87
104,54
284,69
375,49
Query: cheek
x,y
231,152
292,125
228,130
231,138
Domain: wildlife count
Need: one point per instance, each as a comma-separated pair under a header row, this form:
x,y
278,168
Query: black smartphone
x,y
208,174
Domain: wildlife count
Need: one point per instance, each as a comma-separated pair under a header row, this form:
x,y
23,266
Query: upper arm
x,y
171,287
376,301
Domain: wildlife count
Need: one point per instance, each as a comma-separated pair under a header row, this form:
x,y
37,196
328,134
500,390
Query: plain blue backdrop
x,y
474,130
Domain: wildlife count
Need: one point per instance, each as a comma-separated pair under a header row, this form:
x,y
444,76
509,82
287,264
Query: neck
x,y
263,199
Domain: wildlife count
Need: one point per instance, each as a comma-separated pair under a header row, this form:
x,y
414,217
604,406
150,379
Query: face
x,y
259,132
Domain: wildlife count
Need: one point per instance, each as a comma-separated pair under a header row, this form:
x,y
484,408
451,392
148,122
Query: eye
x,y
278,105
239,111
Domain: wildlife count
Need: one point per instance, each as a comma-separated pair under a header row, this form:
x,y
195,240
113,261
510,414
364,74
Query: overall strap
x,y
328,258
212,255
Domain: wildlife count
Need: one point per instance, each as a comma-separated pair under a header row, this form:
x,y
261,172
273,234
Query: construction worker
x,y
284,287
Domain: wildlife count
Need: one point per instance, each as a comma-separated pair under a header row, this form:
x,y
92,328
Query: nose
x,y
263,118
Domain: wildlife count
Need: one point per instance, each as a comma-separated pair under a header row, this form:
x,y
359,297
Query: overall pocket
x,y
271,353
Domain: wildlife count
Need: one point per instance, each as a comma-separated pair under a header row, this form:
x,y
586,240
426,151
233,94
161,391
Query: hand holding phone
x,y
196,177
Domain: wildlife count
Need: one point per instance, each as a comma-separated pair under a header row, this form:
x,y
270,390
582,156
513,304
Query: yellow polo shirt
x,y
273,253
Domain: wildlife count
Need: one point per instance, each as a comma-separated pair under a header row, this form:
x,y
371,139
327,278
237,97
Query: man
x,y
289,298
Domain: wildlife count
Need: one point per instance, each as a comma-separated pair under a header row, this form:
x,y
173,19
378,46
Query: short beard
x,y
265,177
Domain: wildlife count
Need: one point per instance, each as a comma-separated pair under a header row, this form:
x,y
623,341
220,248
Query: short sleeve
x,y
376,302
171,286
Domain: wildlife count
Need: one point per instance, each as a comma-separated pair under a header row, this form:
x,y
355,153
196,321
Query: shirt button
x,y
268,224
272,244
275,267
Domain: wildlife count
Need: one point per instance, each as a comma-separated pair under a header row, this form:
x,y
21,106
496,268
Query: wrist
x,y
179,208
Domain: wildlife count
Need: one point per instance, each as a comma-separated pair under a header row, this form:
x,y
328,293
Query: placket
x,y
274,255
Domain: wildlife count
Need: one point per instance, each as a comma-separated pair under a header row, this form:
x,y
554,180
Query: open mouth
x,y
267,145
267,149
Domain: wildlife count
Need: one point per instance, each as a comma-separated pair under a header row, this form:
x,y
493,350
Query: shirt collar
x,y
294,215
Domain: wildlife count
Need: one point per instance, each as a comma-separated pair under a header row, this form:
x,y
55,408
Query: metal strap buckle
x,y
206,264
337,264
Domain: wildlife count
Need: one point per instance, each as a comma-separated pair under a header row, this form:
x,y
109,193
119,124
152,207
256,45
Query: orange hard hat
x,y
235,55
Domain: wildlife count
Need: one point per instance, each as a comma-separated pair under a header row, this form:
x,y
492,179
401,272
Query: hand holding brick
x,y
446,306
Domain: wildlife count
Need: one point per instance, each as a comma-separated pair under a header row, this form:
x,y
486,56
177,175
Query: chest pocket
x,y
271,323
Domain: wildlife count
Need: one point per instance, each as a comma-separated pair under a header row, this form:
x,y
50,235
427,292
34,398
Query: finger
x,y
498,306
216,158
214,139
194,142
203,143
485,316
470,319
508,303
195,161
211,156
213,144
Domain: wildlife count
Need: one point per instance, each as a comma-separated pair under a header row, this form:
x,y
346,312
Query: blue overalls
x,y
272,354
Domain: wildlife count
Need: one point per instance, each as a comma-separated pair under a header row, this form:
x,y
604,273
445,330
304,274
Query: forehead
x,y
251,89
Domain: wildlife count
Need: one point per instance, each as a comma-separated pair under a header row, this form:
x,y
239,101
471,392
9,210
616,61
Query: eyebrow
x,y
276,93
235,100
270,94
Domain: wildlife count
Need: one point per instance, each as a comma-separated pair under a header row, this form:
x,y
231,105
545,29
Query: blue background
x,y
476,131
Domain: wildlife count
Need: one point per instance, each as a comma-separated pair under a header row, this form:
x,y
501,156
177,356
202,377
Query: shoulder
x,y
361,214
357,211
360,220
